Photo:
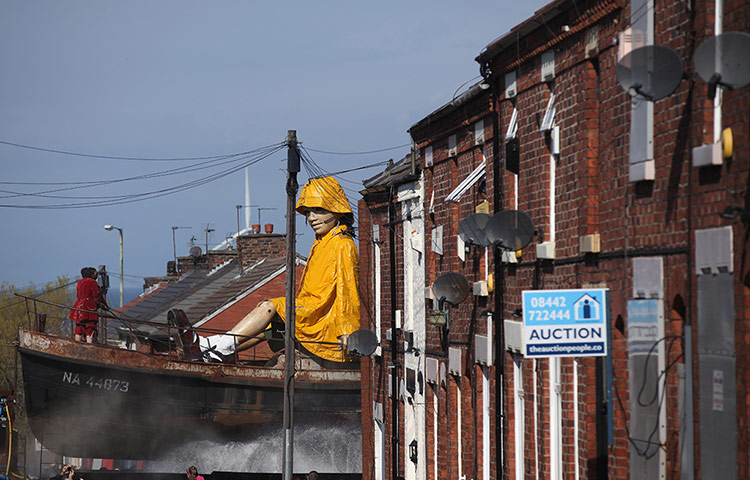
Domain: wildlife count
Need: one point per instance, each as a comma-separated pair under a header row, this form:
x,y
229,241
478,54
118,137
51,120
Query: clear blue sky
x,y
184,79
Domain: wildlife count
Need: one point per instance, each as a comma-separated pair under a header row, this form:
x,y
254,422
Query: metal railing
x,y
159,338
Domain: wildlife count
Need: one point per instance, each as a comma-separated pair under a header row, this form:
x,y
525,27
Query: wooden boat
x,y
88,400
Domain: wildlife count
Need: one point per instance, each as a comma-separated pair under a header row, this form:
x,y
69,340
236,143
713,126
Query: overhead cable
x,y
122,199
114,157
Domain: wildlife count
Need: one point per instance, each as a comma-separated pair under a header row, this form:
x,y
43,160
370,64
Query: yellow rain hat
x,y
323,192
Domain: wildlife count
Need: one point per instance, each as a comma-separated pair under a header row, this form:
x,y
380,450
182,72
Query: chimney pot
x,y
269,228
256,228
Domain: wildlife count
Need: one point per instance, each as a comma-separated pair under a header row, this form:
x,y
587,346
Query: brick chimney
x,y
253,247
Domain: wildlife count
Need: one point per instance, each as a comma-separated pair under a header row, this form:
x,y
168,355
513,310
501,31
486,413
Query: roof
x,y
266,279
200,293
143,296
395,174
538,20
168,297
214,281
221,295
580,15
473,92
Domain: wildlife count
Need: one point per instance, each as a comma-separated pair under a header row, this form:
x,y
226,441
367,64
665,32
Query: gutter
x,y
473,92
540,20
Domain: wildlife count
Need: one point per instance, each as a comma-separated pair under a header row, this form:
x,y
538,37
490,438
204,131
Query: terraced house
x,y
606,151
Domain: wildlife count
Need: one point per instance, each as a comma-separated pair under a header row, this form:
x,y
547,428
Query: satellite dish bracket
x,y
715,81
637,88
441,303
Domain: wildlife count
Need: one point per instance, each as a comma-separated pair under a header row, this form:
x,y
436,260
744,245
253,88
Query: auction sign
x,y
566,323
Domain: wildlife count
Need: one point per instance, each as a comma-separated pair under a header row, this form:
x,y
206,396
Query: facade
x,y
639,201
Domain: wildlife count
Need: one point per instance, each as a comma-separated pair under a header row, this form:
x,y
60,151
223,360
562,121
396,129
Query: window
x,y
548,66
479,132
428,156
468,182
510,85
452,146
513,125
549,114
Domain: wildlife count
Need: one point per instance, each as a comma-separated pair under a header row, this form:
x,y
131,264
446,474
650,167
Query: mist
x,y
325,446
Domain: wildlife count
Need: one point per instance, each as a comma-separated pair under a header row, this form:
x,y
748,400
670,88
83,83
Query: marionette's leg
x,y
245,334
249,343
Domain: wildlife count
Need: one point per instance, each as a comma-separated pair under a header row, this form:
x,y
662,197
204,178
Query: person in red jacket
x,y
88,297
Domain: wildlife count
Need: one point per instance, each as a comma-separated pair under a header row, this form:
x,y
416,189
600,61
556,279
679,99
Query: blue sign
x,y
565,323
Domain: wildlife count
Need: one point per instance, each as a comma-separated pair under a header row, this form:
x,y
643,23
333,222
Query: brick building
x,y
635,193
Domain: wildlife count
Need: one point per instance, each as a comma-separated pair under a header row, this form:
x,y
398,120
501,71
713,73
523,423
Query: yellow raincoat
x,y
328,300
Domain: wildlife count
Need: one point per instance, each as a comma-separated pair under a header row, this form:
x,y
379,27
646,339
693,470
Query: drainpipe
x,y
413,157
394,337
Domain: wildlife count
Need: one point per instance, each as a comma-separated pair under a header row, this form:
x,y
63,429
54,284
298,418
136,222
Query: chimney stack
x,y
257,246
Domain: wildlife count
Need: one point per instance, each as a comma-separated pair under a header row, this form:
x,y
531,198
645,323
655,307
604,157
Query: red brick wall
x,y
593,194
256,246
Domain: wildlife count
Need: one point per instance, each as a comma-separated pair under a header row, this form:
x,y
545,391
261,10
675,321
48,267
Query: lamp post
x,y
109,228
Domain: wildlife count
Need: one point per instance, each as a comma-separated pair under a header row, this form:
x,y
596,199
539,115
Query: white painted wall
x,y
411,198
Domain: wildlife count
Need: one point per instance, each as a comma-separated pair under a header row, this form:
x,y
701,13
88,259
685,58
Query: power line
x,y
314,170
174,171
115,157
130,198
359,153
379,164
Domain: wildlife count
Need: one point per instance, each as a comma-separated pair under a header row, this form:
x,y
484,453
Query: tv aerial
x,y
723,61
449,289
651,72
510,229
472,230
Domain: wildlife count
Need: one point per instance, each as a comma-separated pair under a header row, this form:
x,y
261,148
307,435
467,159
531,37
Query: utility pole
x,y
292,186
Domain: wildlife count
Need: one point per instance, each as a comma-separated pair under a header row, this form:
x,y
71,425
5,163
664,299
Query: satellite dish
x,y
195,251
362,342
723,60
472,229
651,72
451,287
510,229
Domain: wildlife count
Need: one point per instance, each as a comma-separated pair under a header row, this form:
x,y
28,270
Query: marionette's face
x,y
321,220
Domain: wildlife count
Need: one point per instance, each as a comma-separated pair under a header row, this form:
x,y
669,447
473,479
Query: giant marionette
x,y
327,303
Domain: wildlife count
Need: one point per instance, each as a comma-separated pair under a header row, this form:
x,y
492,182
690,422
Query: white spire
x,y
247,198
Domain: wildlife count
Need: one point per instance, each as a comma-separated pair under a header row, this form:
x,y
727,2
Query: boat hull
x,y
97,401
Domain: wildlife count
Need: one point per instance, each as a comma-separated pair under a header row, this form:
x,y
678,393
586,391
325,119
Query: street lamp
x,y
109,228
